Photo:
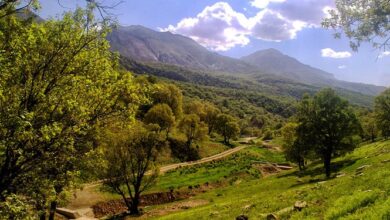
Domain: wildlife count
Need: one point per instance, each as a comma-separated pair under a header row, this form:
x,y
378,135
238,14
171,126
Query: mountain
x,y
274,62
146,45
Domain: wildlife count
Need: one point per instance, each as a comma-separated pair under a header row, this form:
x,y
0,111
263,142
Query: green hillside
x,y
359,190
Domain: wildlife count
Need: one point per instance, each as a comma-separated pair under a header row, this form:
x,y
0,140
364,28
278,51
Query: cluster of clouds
x,y
329,52
219,27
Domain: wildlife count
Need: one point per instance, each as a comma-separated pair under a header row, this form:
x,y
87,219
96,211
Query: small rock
x,y
214,213
242,217
386,161
272,217
247,207
299,205
362,167
340,175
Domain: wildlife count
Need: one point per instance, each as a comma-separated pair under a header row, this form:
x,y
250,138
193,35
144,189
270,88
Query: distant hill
x,y
144,45
272,61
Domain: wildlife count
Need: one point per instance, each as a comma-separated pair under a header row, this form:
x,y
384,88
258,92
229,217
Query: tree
x,y
369,127
192,128
170,95
59,83
382,112
211,116
130,160
361,21
206,111
162,115
294,151
227,127
327,125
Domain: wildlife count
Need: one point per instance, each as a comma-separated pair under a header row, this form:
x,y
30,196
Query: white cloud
x,y
342,67
219,27
272,26
328,52
384,54
263,3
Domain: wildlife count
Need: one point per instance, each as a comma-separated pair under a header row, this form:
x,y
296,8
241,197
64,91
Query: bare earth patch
x,y
172,207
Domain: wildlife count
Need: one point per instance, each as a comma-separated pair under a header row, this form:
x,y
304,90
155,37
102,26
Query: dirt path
x,y
88,196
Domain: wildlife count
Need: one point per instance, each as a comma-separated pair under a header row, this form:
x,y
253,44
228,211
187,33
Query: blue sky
x,y
237,28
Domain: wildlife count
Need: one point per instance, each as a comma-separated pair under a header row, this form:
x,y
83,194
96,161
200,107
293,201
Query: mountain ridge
x,y
148,46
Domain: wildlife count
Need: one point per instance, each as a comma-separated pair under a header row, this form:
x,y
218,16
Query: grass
x,y
209,148
358,193
229,169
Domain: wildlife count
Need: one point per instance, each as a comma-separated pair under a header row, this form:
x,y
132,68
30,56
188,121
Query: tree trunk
x,y
327,159
134,204
53,207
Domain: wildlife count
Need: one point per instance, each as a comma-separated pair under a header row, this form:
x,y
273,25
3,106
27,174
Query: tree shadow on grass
x,y
319,170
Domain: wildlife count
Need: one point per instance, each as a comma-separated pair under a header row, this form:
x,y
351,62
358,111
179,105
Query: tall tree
x,y
211,116
130,161
193,128
382,112
59,82
170,95
162,115
361,21
294,150
228,127
327,124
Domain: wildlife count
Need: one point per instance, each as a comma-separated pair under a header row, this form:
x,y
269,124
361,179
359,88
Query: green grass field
x,y
361,190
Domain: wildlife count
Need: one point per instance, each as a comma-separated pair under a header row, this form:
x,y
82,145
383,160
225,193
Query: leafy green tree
x,y
228,127
162,115
370,130
326,124
382,112
195,106
130,164
211,116
59,83
294,151
361,21
194,130
170,95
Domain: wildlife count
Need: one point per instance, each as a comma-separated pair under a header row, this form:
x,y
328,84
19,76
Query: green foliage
x,y
59,84
369,126
162,115
194,130
127,160
182,151
361,21
227,127
326,125
16,208
170,95
294,151
382,112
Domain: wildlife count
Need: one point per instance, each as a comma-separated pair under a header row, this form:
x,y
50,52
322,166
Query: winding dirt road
x,y
87,197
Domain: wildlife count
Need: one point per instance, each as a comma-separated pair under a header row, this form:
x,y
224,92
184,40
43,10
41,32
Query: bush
x,y
268,135
181,151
